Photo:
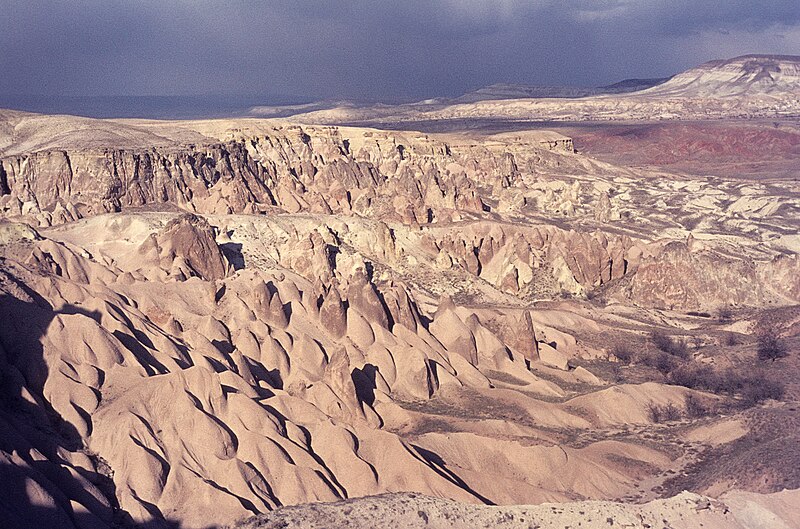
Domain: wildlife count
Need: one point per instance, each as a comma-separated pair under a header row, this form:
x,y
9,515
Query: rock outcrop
x,y
324,170
187,246
703,280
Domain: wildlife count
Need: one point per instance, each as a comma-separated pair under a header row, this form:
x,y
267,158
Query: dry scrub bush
x,y
770,345
753,388
731,339
760,388
672,412
676,347
661,361
696,377
667,413
623,353
695,407
654,412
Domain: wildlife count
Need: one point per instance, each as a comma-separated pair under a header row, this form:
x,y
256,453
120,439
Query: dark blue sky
x,y
370,49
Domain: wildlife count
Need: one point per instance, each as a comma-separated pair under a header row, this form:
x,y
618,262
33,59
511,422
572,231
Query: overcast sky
x,y
370,49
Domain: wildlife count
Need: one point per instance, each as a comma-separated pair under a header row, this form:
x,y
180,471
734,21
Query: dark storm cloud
x,y
369,49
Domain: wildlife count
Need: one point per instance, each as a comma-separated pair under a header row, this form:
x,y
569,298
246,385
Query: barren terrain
x,y
224,322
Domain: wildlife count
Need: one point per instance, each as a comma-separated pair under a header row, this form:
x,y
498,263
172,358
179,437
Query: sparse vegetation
x,y
691,223
661,340
771,346
666,413
623,353
695,377
725,314
695,408
759,388
673,346
654,412
672,412
754,388
707,379
661,361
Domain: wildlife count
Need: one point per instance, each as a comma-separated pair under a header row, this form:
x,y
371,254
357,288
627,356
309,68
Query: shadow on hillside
x,y
233,253
40,488
439,466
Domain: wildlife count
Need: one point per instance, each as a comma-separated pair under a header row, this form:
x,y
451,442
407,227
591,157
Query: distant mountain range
x,y
519,91
750,86
497,91
153,107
